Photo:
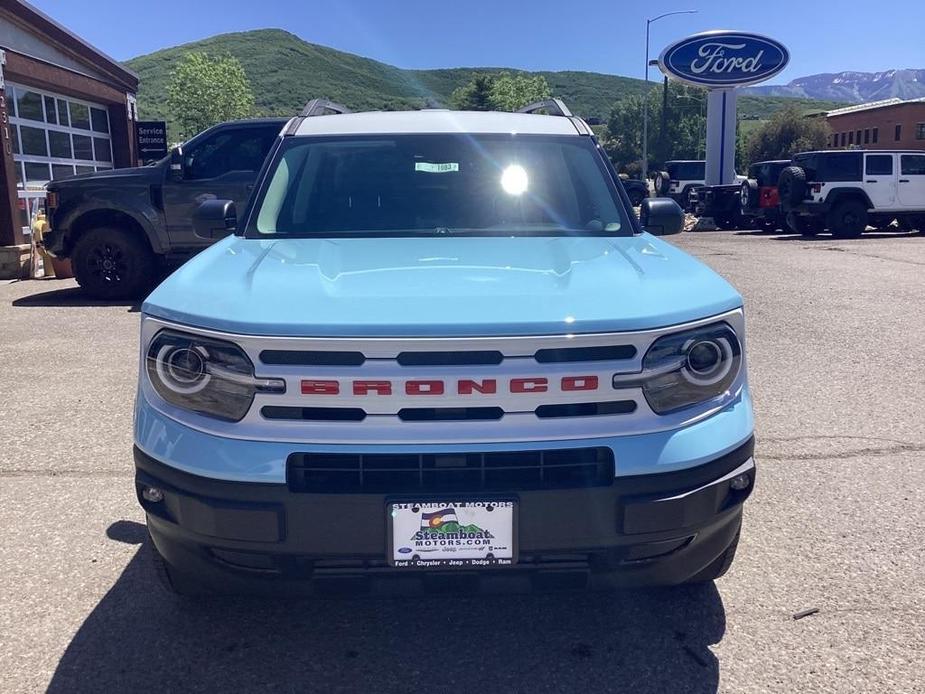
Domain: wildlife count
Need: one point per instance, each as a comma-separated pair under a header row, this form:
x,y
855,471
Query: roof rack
x,y
315,107
555,107
322,107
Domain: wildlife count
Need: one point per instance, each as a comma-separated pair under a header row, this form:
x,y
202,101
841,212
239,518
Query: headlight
x,y
211,377
690,367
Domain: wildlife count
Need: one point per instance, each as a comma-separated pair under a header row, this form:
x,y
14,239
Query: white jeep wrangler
x,y
847,191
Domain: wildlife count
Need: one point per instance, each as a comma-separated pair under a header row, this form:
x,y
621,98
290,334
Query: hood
x,y
153,173
466,286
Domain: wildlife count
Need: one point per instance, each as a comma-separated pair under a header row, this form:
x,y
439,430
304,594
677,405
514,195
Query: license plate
x,y
452,534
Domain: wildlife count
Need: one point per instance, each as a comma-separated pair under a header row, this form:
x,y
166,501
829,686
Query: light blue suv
x,y
441,350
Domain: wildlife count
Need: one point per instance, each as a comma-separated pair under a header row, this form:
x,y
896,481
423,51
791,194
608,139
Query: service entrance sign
x,y
151,140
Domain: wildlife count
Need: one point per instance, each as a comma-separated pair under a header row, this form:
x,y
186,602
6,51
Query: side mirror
x,y
661,216
175,172
215,219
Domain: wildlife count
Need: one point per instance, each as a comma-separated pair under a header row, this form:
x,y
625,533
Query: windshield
x,y
496,185
686,170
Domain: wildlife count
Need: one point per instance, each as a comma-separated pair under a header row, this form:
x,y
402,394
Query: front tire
x,y
112,263
848,219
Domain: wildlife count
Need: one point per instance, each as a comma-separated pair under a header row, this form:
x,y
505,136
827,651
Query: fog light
x,y
152,494
740,482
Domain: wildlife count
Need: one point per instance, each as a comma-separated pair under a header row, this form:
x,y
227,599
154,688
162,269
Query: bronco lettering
x,y
464,386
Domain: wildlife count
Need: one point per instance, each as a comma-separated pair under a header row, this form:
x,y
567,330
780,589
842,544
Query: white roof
x,y
436,121
895,101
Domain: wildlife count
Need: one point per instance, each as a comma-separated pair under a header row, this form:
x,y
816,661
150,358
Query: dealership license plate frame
x,y
447,563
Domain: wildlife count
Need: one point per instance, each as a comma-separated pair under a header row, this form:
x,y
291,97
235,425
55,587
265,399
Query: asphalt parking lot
x,y
837,523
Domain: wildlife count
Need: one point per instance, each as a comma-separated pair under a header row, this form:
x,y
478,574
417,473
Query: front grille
x,y
449,414
342,473
475,358
446,414
317,414
576,354
290,357
586,409
280,357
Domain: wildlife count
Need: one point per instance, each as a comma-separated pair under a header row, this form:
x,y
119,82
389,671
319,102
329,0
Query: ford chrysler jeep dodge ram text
x,y
439,347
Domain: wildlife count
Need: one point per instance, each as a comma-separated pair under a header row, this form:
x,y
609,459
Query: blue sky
x,y
608,36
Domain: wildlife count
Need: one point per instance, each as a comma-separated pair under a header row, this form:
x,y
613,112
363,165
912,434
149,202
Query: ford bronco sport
x,y
121,227
439,349
847,191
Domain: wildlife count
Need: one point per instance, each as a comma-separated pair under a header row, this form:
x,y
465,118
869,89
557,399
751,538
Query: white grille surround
x,y
382,424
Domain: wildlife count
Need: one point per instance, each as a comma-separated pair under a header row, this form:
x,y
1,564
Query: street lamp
x,y
645,101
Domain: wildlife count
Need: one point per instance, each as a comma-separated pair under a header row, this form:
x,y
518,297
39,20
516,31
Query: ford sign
x,y
723,59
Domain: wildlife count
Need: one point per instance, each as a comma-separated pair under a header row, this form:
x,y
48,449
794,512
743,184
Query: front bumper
x,y
660,528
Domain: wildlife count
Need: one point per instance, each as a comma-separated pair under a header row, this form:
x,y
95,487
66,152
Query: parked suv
x,y
679,178
759,200
847,191
121,227
439,348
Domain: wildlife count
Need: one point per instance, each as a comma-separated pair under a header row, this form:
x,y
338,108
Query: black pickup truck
x,y
122,228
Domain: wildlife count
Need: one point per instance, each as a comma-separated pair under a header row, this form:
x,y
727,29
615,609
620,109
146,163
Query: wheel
x,y
112,263
172,580
807,226
720,565
662,182
791,186
725,222
748,197
769,225
848,219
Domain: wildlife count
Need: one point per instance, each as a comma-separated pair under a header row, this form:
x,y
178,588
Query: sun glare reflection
x,y
514,180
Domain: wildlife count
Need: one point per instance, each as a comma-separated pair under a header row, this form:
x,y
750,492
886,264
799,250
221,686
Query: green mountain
x,y
286,71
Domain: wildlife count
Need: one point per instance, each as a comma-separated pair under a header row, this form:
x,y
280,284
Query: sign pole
x,y
722,61
721,137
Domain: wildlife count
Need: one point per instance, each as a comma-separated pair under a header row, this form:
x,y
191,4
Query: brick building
x,y
65,108
888,124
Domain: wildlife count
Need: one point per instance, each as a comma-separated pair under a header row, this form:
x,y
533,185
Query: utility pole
x,y
645,101
663,130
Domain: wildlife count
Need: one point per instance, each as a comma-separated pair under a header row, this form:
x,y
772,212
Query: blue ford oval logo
x,y
404,550
724,59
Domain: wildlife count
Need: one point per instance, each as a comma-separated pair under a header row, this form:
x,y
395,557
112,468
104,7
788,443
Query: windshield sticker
x,y
436,167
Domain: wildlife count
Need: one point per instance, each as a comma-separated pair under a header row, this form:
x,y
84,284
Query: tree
x,y
787,132
503,92
474,95
204,91
511,92
685,128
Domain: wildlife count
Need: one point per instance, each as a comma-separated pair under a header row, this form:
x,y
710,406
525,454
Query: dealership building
x,y
887,124
66,108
